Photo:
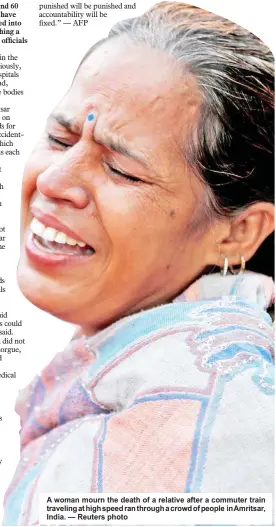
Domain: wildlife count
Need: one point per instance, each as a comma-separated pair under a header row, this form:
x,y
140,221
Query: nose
x,y
63,180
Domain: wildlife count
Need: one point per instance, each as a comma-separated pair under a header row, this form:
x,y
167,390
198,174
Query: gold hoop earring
x,y
241,269
225,267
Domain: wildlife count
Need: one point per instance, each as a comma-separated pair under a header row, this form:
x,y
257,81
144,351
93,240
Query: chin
x,y
55,297
42,292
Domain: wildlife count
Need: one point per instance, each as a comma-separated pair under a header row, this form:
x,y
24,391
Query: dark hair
x,y
232,147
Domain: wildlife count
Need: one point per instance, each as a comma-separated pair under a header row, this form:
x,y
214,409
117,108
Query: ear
x,y
246,232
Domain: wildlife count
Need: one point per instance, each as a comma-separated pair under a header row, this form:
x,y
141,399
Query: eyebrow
x,y
118,144
107,140
66,122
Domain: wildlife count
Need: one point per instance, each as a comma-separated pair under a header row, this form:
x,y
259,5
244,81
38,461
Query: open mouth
x,y
57,242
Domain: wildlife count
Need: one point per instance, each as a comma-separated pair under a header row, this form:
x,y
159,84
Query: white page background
x,y
48,62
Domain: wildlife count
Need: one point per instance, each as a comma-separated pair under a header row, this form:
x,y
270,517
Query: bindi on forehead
x,y
135,86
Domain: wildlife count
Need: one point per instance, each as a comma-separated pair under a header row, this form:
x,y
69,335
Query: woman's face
x,y
118,183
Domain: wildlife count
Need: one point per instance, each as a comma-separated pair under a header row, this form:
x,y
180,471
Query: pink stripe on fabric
x,y
160,434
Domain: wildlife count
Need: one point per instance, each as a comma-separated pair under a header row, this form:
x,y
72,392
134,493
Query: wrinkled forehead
x,y
133,87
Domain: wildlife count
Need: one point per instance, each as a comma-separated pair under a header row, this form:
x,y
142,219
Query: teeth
x,y
60,237
50,234
71,241
37,227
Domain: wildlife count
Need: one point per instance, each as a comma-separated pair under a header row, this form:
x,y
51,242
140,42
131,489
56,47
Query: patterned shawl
x,y
177,398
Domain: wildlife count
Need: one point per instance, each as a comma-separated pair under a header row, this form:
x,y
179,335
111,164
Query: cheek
x,y
35,165
120,212
134,217
38,161
29,179
28,189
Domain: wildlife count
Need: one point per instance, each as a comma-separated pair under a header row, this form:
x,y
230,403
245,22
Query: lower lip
x,y
40,257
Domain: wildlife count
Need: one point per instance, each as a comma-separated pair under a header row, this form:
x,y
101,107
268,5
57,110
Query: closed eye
x,y
124,175
55,141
